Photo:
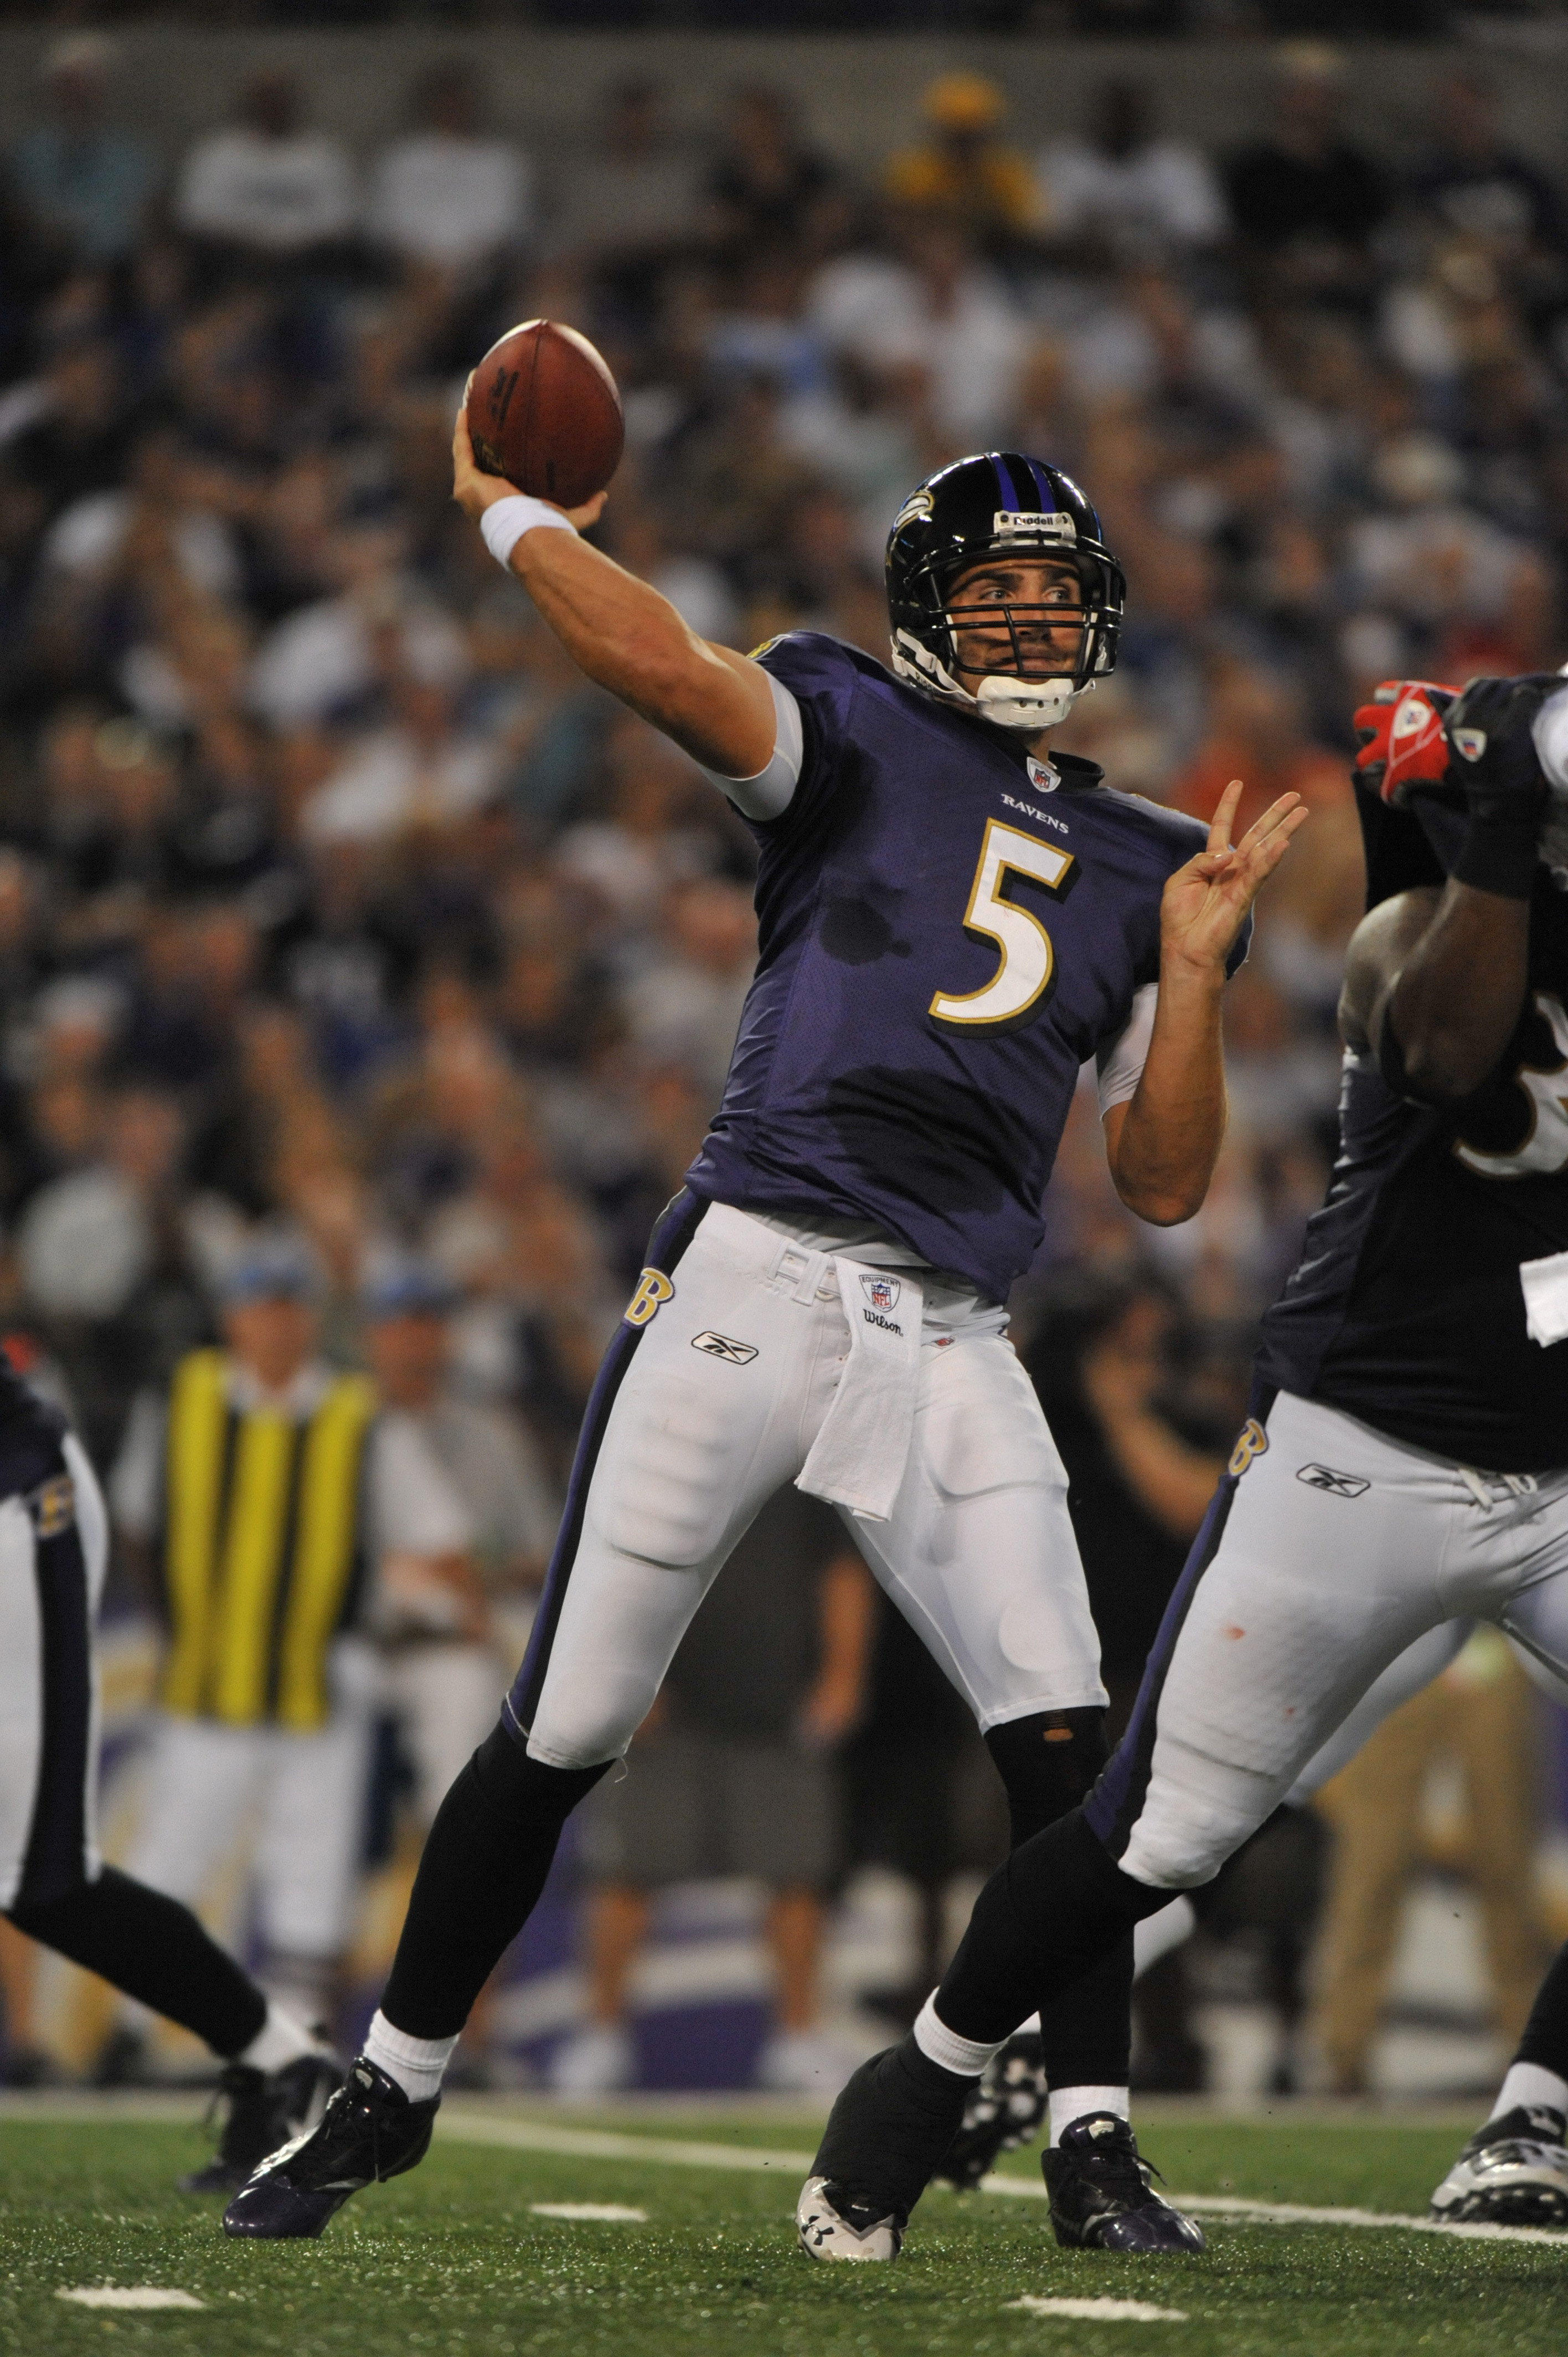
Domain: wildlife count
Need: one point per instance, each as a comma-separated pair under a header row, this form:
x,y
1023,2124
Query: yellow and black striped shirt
x,y
263,1548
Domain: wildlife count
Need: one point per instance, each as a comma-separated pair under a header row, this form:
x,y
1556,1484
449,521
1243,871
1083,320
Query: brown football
x,y
543,412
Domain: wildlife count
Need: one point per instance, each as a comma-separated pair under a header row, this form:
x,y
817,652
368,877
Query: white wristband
x,y
504,524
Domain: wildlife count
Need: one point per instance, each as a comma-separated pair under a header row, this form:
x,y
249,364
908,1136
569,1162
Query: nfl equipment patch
x,y
720,1346
881,1292
1338,1485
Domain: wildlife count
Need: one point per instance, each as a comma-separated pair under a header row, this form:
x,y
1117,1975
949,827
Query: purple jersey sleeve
x,y
823,676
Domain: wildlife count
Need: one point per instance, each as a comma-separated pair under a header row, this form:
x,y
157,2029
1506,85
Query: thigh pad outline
x,y
983,1429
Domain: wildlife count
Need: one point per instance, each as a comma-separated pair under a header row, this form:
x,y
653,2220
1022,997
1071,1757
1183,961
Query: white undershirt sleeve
x,y
769,793
1119,1062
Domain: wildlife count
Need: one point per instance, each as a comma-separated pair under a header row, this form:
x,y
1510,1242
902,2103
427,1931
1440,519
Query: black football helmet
x,y
1000,504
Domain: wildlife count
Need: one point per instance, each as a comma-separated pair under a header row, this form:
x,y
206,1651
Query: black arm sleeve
x,y
1398,853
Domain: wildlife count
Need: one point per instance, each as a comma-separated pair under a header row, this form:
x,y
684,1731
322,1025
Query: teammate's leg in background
x,y
982,1558
51,1884
1282,1620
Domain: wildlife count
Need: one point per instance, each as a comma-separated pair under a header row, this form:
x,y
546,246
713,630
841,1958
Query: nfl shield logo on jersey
x,y
881,1292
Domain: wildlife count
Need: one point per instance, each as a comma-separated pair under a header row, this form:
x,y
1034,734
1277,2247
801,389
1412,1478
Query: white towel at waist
x,y
859,1455
1544,1284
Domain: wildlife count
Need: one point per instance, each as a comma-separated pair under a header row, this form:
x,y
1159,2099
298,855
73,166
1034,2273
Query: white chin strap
x,y
1028,705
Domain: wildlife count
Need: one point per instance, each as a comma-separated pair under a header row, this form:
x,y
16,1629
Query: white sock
x,y
1528,2085
966,2058
416,2063
1069,2103
280,2039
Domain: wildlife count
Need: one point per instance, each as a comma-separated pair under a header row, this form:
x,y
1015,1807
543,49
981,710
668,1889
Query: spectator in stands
x,y
767,188
267,188
1123,189
937,320
1256,732
1480,1713
415,776
630,194
274,1511
684,1006
964,172
84,185
446,195
732,1774
1473,186
1305,201
450,1658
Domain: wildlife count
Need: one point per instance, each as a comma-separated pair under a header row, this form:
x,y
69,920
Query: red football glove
x,y
1401,737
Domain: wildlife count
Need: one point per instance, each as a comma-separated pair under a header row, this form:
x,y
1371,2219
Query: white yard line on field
x,y
129,2295
680,2152
1110,2311
606,2213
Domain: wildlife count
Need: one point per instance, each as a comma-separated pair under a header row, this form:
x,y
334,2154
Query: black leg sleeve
x,y
1058,1908
1545,2039
155,1951
1048,1763
484,1866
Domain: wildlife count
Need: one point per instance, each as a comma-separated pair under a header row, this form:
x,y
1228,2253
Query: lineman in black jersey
x,y
1406,1463
53,1883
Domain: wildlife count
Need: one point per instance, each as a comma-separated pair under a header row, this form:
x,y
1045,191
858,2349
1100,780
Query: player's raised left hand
x,y
1204,904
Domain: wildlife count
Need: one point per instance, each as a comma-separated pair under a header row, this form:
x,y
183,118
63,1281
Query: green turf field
x,y
454,2260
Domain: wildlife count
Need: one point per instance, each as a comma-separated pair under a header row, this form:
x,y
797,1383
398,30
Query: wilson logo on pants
x,y
653,1291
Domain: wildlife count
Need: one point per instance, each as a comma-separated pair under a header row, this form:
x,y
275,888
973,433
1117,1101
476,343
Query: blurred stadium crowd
x,y
336,908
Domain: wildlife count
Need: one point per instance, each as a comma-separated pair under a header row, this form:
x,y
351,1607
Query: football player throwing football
x,y
952,922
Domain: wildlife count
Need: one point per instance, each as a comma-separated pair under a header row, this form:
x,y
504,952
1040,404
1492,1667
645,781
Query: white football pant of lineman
x,y
1311,1595
978,1554
23,1702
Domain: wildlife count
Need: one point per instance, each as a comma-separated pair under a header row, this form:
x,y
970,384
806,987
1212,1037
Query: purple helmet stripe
x,y
1045,487
1011,504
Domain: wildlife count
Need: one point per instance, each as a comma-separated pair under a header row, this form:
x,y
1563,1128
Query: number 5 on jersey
x,y
1024,980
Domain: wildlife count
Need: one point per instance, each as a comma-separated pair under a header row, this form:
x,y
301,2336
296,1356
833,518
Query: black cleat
x,y
1100,2196
884,2139
265,2109
1004,2112
1513,2172
369,2132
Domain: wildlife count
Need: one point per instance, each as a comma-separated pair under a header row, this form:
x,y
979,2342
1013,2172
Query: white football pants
x,y
1328,1552
51,1576
683,1446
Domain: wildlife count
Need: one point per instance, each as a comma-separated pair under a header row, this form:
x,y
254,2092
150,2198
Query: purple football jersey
x,y
949,930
